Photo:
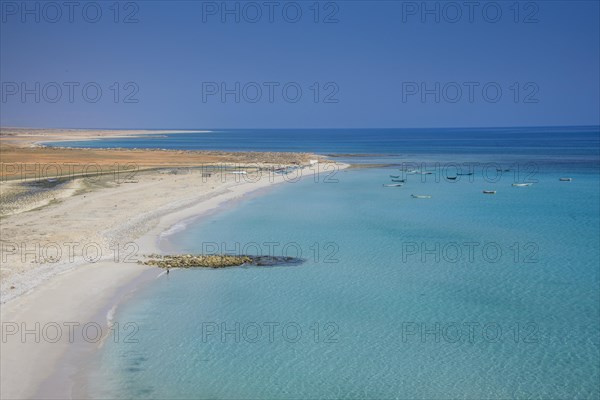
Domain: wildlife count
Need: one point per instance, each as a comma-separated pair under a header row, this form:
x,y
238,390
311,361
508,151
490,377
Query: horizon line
x,y
318,128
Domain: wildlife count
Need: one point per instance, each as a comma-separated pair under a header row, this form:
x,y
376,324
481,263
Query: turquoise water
x,y
368,305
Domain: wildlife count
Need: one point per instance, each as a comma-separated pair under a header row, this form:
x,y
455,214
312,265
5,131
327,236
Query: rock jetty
x,y
217,261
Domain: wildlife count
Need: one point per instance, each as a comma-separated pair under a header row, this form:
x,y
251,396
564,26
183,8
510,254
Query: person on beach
x,y
167,271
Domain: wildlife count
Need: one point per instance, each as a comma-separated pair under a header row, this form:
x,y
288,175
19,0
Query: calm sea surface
x,y
461,295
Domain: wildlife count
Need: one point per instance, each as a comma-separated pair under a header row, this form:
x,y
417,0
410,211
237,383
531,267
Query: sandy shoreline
x,y
35,136
42,301
81,294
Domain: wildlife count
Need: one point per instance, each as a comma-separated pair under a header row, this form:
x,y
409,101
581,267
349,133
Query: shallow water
x,y
463,295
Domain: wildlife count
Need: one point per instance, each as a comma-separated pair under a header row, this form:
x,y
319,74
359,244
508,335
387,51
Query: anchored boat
x,y
522,184
393,185
565,179
420,196
489,192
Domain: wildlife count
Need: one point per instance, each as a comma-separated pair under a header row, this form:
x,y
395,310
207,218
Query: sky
x,y
299,64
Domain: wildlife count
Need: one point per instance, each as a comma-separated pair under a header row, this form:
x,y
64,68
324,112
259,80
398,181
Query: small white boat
x,y
393,185
239,172
522,184
489,192
412,171
420,196
565,179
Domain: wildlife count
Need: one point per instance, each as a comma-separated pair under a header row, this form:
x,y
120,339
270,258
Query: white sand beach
x,y
65,262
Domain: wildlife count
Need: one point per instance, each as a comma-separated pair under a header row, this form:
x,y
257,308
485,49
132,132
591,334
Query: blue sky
x,y
356,63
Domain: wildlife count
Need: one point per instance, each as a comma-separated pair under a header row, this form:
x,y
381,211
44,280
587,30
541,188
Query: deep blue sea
x,y
378,141
460,295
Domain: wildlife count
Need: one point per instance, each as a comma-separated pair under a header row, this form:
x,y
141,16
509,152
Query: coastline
x,y
35,137
83,292
106,197
89,292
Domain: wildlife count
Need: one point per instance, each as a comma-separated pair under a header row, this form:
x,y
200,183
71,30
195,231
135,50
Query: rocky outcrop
x,y
217,261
